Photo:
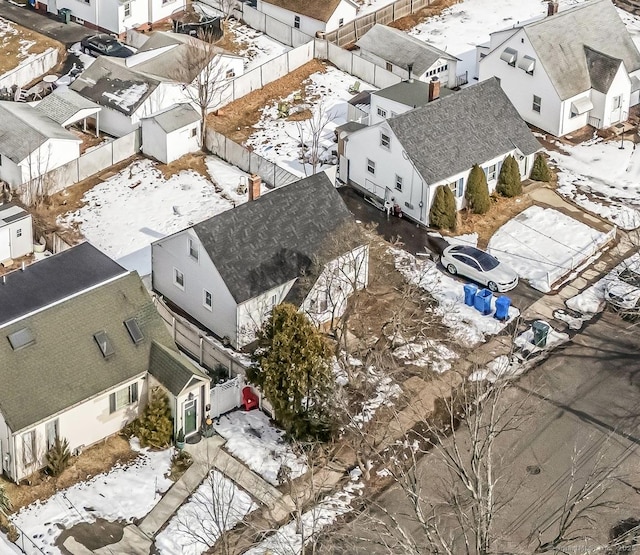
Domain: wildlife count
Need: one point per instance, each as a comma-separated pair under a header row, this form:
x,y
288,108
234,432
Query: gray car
x,y
479,266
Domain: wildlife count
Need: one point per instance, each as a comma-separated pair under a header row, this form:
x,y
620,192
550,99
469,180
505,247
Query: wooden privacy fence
x,y
202,347
351,31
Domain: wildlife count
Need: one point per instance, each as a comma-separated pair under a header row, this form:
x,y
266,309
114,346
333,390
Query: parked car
x,y
105,45
623,293
479,266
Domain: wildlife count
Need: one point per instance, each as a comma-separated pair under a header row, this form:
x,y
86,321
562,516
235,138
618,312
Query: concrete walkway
x,y
203,454
48,25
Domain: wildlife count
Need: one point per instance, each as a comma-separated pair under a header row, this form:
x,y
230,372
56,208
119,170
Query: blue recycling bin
x,y
470,290
482,301
502,307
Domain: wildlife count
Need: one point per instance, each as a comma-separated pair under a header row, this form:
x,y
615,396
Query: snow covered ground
x,y
591,301
287,541
603,178
216,506
253,439
542,245
277,139
127,212
122,494
460,28
468,325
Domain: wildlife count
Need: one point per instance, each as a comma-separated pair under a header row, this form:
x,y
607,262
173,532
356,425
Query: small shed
x,y
172,133
16,232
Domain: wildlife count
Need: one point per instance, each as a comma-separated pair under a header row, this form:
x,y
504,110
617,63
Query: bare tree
x,y
204,76
38,188
310,135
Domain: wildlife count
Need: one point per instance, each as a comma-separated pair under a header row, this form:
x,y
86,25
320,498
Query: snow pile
x,y
525,340
122,494
469,239
278,139
468,325
287,540
385,393
542,245
252,438
216,506
501,367
127,212
591,300
427,354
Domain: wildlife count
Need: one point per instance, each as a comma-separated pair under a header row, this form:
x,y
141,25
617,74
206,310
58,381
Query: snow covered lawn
x,y
256,47
252,438
127,212
463,26
591,301
124,493
277,139
602,178
216,506
468,325
542,245
286,541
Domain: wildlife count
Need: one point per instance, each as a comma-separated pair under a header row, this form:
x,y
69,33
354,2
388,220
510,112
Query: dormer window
x,y
510,56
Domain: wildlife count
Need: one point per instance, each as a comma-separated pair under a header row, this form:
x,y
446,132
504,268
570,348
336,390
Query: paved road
x,y
416,240
47,25
586,397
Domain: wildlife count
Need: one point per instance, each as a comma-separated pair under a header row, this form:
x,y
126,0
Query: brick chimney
x,y
434,89
254,186
552,7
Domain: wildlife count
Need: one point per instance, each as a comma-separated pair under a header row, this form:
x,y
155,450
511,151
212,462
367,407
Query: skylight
x,y
134,330
21,338
103,341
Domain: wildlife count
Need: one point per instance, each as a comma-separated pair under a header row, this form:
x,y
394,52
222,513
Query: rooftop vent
x,y
21,339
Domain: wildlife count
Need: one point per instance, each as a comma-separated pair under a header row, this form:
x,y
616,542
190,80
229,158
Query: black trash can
x,y
540,332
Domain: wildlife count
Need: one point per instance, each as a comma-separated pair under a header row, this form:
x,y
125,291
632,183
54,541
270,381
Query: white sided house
x,y
574,68
116,16
81,339
165,72
407,157
290,245
32,144
168,135
16,232
408,57
310,17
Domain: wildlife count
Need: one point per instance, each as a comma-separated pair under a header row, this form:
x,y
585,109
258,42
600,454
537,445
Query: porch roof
x,y
172,370
66,107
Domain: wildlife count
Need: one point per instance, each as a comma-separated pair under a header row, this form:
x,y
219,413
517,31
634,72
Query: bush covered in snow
x,y
443,209
477,194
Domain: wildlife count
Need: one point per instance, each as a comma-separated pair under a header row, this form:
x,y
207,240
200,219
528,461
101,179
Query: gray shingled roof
x,y
62,104
171,64
65,366
109,83
176,117
53,279
602,69
23,129
469,127
171,368
401,49
272,240
559,42
410,93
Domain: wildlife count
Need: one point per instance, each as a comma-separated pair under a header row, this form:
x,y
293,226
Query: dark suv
x,y
105,45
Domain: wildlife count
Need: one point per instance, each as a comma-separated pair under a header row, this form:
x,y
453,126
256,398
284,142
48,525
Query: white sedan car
x,y
623,293
479,266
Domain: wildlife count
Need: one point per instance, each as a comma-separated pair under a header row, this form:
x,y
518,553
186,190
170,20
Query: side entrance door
x,y
190,416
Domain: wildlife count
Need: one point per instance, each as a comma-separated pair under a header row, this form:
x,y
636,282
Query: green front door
x,y
190,417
